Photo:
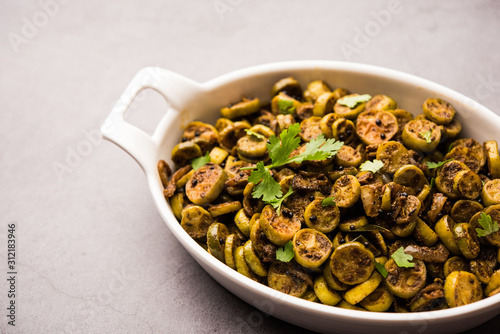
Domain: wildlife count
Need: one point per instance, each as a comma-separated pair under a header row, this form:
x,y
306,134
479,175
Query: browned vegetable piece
x,y
405,282
216,238
446,176
332,280
394,156
278,228
375,127
438,111
264,248
311,248
463,210
468,151
481,269
346,191
289,85
244,108
461,288
185,152
164,172
324,104
344,130
405,209
438,253
490,193
326,124
322,218
171,186
437,205
203,131
380,103
491,148
206,184
371,196
348,157
430,298
455,263
310,128
196,221
414,135
315,89
230,135
352,263
289,278
347,112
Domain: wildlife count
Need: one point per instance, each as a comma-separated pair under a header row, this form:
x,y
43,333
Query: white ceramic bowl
x,y
190,101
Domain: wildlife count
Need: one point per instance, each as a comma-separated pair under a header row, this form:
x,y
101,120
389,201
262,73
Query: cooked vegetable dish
x,y
343,199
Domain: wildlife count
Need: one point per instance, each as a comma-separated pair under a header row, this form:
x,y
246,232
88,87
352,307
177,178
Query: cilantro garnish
x,y
255,134
402,259
279,151
381,269
285,253
371,166
268,188
427,136
276,203
200,162
488,226
286,106
352,101
432,165
328,201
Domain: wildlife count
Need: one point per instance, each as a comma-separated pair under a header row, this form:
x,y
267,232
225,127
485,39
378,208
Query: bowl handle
x,y
141,146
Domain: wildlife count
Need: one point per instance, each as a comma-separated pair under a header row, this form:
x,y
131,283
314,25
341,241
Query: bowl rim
x,y
325,311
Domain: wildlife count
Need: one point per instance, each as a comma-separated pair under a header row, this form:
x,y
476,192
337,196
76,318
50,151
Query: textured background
x,y
93,254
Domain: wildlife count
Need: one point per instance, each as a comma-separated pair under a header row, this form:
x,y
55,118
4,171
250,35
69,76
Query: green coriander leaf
x,y
318,149
286,106
200,162
352,101
280,149
266,187
402,259
488,226
285,253
381,269
427,136
328,201
276,203
255,134
432,165
371,166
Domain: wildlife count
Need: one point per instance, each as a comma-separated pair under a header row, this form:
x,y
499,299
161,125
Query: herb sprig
x,y
279,151
488,226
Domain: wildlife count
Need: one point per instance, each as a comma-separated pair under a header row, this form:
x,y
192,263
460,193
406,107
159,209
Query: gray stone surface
x,y
93,255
